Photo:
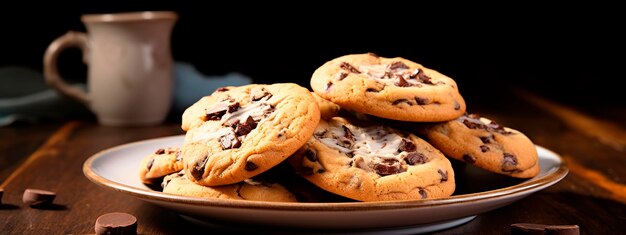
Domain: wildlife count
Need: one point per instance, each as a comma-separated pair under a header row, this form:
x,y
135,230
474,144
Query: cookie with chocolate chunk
x,y
239,132
369,162
249,189
392,88
162,162
486,144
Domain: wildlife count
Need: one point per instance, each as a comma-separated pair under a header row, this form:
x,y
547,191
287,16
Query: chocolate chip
x,y
469,158
473,125
457,106
38,198
197,171
423,78
398,65
396,102
221,89
341,76
509,163
415,158
443,174
216,112
401,82
245,128
421,101
311,155
328,85
372,90
530,228
116,223
233,107
150,163
258,94
498,128
250,166
484,148
388,167
347,133
423,193
230,141
486,139
160,151
407,146
348,67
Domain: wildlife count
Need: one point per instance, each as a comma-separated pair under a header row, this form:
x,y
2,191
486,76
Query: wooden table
x,y
50,155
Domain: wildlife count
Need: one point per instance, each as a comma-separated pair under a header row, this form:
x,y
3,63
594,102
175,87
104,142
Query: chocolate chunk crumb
x,y
407,145
341,76
221,89
311,155
150,163
245,128
469,158
349,67
398,65
372,90
421,101
486,139
216,112
443,174
230,141
415,158
347,133
250,166
38,198
509,163
116,223
233,107
198,169
258,94
328,85
423,193
457,106
388,167
484,148
401,82
396,102
160,151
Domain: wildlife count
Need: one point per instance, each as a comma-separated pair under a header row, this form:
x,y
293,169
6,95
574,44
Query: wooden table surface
x,y
592,141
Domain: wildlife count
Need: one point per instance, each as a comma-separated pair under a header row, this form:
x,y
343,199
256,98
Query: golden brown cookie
x,y
369,162
162,162
252,190
239,132
392,88
485,144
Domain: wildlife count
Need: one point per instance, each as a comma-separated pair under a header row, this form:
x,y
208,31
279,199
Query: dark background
x,y
574,54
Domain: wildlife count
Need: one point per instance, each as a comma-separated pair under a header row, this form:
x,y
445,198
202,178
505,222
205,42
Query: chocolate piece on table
x,y
116,223
38,198
529,228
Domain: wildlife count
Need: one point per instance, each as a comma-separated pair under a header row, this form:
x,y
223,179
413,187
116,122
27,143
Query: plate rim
x,y
552,176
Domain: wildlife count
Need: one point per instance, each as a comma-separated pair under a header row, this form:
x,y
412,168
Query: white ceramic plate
x,y
477,192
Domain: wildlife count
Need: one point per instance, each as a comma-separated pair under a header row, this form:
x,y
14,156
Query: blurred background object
x,y
561,54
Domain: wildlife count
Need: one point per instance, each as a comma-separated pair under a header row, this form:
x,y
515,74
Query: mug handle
x,y
51,74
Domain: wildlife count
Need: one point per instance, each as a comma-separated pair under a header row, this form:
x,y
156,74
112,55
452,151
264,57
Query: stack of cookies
x,y
373,129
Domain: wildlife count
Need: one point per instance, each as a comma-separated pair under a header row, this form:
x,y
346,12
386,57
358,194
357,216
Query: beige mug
x,y
129,63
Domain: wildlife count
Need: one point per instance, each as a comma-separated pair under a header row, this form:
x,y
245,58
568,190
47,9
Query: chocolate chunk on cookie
x,y
368,162
485,144
239,132
249,189
392,88
161,162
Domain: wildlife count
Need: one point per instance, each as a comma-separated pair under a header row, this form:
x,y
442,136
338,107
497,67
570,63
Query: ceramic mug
x,y
129,63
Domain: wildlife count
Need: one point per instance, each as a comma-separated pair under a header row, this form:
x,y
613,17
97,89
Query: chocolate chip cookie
x,y
162,162
392,88
239,132
249,189
486,144
368,162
